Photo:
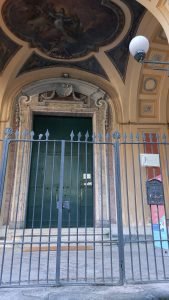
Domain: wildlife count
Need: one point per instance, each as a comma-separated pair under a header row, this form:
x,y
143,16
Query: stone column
x,y
100,166
22,167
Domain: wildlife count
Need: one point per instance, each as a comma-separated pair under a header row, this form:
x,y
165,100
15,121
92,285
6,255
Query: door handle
x,y
65,205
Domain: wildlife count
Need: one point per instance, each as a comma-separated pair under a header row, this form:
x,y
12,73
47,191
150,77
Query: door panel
x,y
45,174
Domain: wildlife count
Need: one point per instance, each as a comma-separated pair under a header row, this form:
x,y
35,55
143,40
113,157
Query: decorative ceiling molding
x,y
36,62
150,84
119,55
150,91
148,108
160,37
7,50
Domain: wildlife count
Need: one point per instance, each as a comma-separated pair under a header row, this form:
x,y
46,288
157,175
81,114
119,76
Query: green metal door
x,y
43,190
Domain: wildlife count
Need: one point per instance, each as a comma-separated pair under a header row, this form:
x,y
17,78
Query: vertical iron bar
x,y
33,213
77,211
167,167
86,211
142,205
101,195
61,182
51,207
109,205
94,209
42,208
158,218
155,258
69,216
161,244
116,135
128,206
165,150
135,206
16,215
8,216
23,234
154,251
158,147
6,142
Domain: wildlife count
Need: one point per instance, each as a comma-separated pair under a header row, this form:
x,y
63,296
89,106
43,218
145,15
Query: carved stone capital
x,y
24,100
101,102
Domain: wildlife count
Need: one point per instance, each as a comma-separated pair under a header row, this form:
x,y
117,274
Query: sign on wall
x,y
150,160
155,198
155,192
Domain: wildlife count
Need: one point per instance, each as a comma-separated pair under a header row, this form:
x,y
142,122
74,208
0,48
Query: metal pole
x,y
60,202
116,136
3,167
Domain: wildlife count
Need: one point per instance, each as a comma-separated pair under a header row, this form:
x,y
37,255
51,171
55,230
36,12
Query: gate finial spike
x,y
144,137
99,136
25,133
125,136
157,137
116,135
107,136
137,136
79,136
151,137
86,135
40,136
8,132
164,137
72,135
47,134
93,137
32,134
16,134
131,137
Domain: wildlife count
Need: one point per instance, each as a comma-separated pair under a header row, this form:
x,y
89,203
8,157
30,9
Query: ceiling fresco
x,y
64,29
7,50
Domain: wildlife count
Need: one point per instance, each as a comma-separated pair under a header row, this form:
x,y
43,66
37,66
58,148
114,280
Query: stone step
x,y
47,237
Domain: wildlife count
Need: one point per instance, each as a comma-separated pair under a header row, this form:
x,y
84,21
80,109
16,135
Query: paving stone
x,y
127,292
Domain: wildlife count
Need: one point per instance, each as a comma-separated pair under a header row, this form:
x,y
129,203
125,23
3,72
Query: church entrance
x,y
45,170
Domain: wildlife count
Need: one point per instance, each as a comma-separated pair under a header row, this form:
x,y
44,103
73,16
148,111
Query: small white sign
x,y
86,176
150,160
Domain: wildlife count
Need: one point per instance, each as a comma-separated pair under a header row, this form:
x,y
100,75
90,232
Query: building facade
x,y
66,68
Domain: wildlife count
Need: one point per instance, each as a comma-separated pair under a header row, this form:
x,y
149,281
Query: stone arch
x,y
160,10
98,100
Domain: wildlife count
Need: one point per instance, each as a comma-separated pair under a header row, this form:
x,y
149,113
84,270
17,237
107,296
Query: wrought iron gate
x,y
117,197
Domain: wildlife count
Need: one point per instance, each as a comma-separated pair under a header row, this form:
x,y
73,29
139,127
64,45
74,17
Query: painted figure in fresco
x,y
48,18
58,28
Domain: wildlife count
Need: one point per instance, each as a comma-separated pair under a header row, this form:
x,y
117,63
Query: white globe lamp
x,y
138,47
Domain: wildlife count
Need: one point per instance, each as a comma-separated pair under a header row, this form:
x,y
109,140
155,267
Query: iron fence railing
x,y
89,210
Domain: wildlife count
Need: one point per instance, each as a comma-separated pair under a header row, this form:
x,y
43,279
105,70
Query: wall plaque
x,y
155,192
150,160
